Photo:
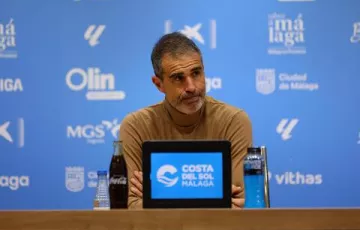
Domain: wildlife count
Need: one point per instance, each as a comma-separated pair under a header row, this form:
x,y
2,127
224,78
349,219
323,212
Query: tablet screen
x,y
186,175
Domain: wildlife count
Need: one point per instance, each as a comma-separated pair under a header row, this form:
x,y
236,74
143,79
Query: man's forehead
x,y
176,57
171,61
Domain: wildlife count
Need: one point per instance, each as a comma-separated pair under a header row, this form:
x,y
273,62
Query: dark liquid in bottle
x,y
118,183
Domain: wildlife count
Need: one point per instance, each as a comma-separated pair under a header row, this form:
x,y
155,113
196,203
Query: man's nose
x,y
189,84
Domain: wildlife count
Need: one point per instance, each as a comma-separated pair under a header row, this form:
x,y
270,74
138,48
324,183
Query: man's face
x,y
184,82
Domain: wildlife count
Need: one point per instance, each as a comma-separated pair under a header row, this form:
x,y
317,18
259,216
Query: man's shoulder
x,y
144,115
223,110
234,120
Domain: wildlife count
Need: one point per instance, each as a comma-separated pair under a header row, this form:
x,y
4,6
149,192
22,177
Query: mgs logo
x,y
265,81
74,179
94,134
160,175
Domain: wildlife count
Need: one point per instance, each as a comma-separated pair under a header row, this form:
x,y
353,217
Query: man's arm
x,y
239,133
132,153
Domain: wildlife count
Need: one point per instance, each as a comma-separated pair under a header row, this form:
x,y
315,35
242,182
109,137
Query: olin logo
x,y
99,86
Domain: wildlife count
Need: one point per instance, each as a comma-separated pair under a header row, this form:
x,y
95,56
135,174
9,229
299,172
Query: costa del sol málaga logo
x,y
160,175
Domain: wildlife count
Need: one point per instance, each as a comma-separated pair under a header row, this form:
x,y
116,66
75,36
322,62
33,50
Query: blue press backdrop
x,y
293,66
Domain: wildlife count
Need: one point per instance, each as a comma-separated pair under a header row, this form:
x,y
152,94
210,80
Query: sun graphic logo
x,y
160,175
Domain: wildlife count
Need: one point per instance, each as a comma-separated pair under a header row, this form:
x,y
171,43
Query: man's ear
x,y
158,83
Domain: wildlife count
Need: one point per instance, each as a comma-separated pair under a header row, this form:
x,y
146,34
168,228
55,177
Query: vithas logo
x,y
297,178
100,86
285,127
93,33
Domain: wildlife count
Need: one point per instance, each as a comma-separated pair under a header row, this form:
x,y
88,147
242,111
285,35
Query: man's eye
x,y
178,78
196,73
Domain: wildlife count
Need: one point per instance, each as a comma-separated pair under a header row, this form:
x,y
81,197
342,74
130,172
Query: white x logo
x,y
4,133
193,32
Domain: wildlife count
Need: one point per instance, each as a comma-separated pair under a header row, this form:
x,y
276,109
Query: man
x,y
185,113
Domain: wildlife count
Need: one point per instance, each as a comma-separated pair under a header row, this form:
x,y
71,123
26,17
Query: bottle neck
x,y
118,151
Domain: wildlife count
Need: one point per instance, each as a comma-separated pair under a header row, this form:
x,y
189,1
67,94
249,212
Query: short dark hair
x,y
175,44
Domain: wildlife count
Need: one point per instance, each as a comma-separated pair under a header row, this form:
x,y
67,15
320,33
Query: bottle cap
x,y
101,172
117,142
256,150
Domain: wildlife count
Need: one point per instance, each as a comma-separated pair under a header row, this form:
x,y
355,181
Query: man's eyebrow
x,y
197,68
178,74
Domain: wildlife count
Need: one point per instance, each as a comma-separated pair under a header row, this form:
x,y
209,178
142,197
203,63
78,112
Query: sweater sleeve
x,y
132,153
239,133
